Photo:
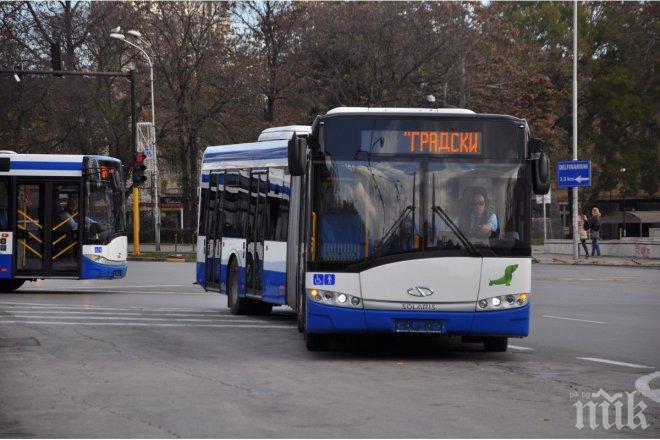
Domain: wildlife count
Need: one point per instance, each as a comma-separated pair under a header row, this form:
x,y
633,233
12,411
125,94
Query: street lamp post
x,y
574,220
623,191
154,186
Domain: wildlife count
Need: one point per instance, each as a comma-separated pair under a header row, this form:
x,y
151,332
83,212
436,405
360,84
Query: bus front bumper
x,y
323,318
90,269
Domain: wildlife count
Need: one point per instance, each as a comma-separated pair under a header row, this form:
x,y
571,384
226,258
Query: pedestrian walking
x,y
594,231
583,226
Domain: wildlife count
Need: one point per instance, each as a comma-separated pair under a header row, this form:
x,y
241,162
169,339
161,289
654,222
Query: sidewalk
x,y
538,256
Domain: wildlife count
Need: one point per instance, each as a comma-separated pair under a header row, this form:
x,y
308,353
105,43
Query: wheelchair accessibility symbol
x,y
324,279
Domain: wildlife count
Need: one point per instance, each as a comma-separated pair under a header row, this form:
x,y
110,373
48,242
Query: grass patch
x,y
189,256
537,242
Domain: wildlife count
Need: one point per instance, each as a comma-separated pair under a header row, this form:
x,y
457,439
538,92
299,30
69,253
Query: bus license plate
x,y
418,326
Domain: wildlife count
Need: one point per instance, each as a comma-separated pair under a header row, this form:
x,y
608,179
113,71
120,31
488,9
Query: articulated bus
x,y
61,216
377,221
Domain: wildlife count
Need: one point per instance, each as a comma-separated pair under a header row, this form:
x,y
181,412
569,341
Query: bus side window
x,y
230,204
283,212
4,206
278,205
203,212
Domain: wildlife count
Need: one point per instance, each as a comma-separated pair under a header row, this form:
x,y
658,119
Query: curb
x,y
627,263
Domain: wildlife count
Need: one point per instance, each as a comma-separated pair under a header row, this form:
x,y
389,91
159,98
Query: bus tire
x,y
8,286
237,305
301,313
317,341
496,344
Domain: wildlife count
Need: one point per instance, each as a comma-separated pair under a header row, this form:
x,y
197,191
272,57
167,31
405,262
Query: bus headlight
x,y
503,302
334,298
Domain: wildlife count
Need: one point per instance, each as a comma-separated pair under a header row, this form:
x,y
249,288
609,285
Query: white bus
x,y
43,200
377,220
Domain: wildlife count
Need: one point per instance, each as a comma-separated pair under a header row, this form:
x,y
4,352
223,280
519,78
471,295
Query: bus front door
x,y
214,224
257,225
47,232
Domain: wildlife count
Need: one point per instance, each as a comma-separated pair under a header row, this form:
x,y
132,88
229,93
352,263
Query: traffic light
x,y
138,170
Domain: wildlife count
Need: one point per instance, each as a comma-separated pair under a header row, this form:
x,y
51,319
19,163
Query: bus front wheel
x,y
496,344
7,286
237,305
301,313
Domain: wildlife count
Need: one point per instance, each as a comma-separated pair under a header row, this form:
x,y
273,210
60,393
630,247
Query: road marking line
x,y
517,347
573,319
123,286
89,307
23,312
642,385
147,324
74,312
118,318
114,291
607,361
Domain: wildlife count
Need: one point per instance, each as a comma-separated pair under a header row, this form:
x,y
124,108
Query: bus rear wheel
x,y
237,305
496,344
7,286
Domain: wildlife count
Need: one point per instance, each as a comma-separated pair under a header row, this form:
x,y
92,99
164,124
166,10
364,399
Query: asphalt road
x,y
154,356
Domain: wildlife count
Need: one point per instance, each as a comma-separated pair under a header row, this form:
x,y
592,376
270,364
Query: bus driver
x,y
479,221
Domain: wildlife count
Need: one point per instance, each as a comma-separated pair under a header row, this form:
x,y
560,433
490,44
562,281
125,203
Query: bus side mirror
x,y
541,174
297,155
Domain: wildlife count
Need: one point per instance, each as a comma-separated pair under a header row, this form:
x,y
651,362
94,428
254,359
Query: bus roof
x,y
398,111
67,165
285,132
250,155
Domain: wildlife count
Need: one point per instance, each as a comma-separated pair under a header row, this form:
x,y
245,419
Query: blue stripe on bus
x,y
323,318
91,269
6,269
267,153
274,286
35,165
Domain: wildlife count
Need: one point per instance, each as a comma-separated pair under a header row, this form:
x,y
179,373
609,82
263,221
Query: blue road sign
x,y
571,173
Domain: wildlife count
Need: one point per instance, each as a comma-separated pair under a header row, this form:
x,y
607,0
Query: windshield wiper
x,y
461,236
404,214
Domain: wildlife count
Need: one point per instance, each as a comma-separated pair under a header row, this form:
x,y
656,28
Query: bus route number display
x,y
442,142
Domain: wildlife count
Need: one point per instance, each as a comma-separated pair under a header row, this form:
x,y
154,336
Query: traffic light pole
x,y
136,191
131,75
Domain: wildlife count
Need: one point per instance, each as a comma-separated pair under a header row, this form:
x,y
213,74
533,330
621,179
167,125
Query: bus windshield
x,y
104,202
377,199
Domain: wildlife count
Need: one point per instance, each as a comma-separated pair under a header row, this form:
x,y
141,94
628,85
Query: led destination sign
x,y
445,143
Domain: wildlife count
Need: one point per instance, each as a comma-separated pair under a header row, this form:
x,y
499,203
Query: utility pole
x,y
575,130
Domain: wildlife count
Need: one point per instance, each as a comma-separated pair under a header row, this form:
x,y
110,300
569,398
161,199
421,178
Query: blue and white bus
x,y
61,216
377,221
